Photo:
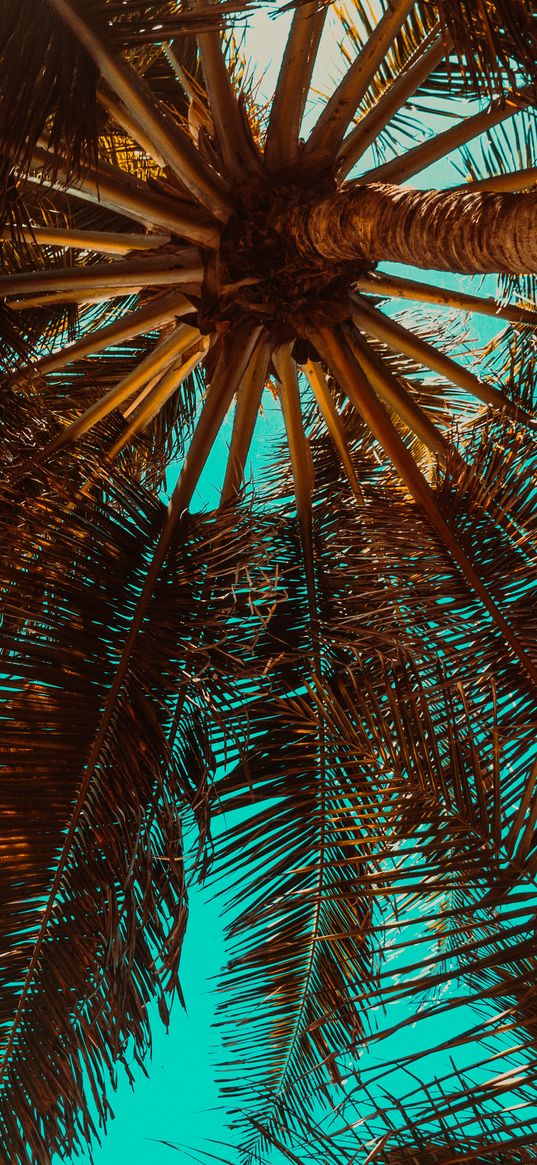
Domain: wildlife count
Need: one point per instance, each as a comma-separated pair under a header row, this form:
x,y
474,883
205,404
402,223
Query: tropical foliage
x,y
340,659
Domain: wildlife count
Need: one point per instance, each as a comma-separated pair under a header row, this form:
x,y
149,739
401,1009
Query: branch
x,y
105,242
378,283
176,149
293,84
373,321
405,85
132,324
402,168
338,356
327,134
111,187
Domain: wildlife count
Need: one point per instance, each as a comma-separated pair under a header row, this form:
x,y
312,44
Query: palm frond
x,y
413,745
109,907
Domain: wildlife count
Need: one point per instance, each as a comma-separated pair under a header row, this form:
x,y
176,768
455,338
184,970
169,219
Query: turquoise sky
x,y
178,1101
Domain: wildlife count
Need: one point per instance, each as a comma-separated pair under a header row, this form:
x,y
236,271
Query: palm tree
x,y
348,654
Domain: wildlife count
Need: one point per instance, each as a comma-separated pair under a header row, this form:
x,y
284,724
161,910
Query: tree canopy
x,y
338,660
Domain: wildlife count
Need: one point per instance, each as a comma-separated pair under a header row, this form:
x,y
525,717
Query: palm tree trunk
x,y
454,230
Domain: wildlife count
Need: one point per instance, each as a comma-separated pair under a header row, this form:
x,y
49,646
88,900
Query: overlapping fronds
x,y
380,843
357,650
102,749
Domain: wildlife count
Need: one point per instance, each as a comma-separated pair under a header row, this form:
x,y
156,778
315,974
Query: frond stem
x,y
397,287
152,272
369,319
327,408
175,148
104,242
119,193
163,354
293,84
390,390
405,85
301,465
135,323
158,394
327,135
524,179
233,358
121,116
239,152
402,168
249,394
338,356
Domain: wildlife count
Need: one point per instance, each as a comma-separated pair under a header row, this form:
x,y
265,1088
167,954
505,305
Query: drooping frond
x,y
422,743
93,892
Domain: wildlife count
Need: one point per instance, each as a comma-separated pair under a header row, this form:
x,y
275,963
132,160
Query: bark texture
x,y
453,230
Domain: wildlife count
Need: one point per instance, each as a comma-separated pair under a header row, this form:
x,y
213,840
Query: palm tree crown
x,y
350,653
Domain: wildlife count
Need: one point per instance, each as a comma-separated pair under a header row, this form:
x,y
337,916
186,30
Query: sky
x,y
178,1100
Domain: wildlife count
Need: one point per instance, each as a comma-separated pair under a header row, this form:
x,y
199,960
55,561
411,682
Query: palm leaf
x,y
96,865
414,752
